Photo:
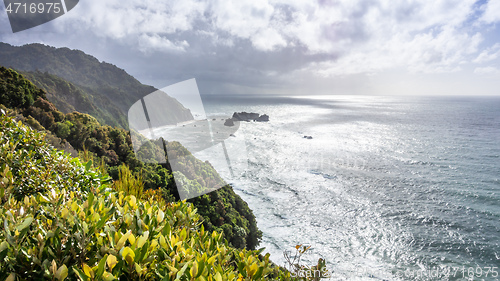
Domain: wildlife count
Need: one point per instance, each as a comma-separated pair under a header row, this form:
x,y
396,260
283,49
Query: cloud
x,y
487,70
118,19
491,12
243,18
316,27
268,39
154,42
272,43
431,52
488,55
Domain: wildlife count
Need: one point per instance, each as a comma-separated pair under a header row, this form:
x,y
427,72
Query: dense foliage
x,y
68,97
222,210
232,216
76,227
17,92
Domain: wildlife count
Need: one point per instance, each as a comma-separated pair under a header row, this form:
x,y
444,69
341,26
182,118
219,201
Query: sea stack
x,y
263,118
245,116
229,122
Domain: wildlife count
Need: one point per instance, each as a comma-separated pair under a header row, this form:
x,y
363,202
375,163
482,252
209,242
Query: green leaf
x,y
108,276
142,253
259,251
4,246
218,277
111,261
25,223
160,216
181,272
104,219
101,266
80,274
201,265
128,255
62,273
241,269
88,165
258,274
166,229
91,198
194,269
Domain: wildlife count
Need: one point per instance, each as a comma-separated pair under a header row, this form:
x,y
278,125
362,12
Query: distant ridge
x,y
98,88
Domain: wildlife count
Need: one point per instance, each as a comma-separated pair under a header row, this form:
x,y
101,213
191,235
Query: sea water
x,y
388,188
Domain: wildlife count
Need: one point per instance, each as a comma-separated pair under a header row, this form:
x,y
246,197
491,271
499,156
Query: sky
x,y
295,47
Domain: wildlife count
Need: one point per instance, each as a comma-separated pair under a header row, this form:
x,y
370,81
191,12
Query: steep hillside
x,y
68,97
62,220
107,90
222,210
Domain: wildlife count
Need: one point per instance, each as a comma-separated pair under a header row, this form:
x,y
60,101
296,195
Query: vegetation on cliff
x,y
64,220
69,97
68,220
111,149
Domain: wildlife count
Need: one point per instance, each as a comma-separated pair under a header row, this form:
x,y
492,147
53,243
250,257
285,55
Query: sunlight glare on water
x,y
384,185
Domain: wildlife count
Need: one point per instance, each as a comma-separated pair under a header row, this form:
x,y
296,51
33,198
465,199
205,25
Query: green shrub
x,y
112,147
128,183
30,166
72,226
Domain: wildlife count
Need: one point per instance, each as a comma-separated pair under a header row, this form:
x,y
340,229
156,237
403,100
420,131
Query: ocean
x,y
387,188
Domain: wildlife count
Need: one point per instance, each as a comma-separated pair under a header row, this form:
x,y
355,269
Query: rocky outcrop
x,y
229,122
263,118
244,116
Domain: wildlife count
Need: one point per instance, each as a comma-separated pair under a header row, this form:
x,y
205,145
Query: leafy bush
x,y
75,227
30,166
128,183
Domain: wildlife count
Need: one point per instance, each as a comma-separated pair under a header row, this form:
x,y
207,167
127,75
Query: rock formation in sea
x,y
245,116
263,118
229,122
